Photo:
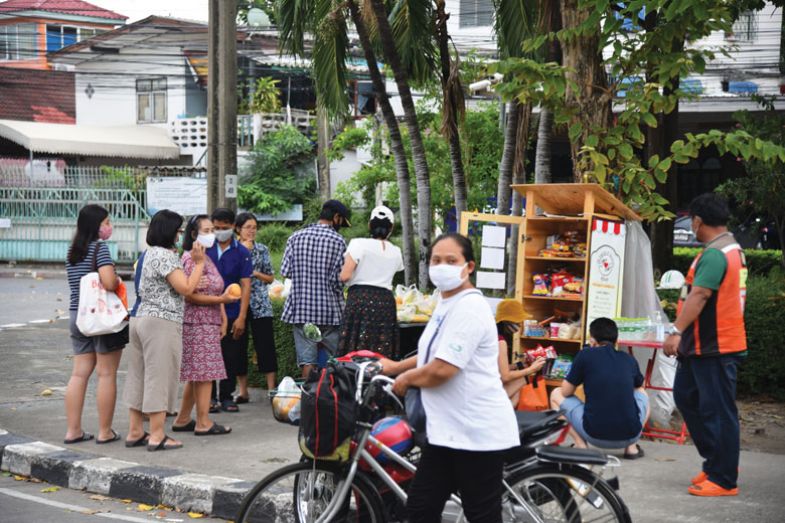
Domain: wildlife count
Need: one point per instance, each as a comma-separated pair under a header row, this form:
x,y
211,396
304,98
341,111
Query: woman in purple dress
x,y
204,323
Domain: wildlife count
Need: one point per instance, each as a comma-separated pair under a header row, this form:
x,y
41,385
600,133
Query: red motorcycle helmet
x,y
394,432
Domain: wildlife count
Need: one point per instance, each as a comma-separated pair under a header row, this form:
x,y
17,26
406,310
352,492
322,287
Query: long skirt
x,y
369,322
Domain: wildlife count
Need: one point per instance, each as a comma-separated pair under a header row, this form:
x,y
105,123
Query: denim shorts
x,y
307,350
573,408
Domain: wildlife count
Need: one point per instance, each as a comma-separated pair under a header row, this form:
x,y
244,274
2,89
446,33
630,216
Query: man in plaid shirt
x,y
313,260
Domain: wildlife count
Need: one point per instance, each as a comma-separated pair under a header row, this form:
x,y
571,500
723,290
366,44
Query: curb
x,y
216,496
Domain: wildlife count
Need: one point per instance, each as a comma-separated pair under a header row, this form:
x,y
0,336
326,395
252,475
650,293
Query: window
x,y
744,28
59,36
475,13
18,42
151,100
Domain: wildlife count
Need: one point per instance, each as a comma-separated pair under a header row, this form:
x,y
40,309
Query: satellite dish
x,y
258,18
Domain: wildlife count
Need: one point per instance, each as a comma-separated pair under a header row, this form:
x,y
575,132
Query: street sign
x,y
230,182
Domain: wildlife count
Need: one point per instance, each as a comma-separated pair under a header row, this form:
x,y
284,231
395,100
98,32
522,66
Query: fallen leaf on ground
x,y
99,497
19,478
161,514
35,480
46,392
164,507
665,460
195,515
126,501
90,512
50,489
6,474
141,507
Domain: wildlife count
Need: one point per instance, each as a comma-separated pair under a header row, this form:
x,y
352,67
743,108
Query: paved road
x,y
24,502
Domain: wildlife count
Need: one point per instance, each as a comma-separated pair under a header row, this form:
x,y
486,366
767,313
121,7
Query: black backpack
x,y
328,413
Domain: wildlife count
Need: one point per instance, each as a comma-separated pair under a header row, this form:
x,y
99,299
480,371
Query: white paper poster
x,y
491,280
183,195
492,258
606,267
494,236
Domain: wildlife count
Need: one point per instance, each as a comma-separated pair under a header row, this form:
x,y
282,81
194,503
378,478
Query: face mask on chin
x,y
447,277
223,235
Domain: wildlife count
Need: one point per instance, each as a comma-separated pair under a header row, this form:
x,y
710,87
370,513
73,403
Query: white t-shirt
x,y
470,411
377,262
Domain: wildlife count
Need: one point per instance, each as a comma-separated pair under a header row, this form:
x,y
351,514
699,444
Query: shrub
x,y
759,261
284,347
274,235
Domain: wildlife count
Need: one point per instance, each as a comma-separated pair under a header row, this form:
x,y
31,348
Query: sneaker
x,y
700,478
710,489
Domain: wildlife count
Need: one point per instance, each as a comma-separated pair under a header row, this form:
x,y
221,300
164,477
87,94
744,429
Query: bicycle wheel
x,y
561,494
303,492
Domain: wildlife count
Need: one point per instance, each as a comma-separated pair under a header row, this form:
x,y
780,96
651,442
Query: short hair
x,y
604,330
711,208
244,217
192,230
463,242
163,228
222,214
380,228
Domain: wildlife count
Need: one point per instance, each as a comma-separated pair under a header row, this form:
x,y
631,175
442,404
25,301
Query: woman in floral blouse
x,y
261,317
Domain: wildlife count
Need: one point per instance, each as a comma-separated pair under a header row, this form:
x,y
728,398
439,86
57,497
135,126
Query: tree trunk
x,y
542,158
453,108
518,177
322,144
587,93
396,146
503,192
422,175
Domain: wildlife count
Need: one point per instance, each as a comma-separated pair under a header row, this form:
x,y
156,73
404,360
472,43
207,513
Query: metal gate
x,y
38,213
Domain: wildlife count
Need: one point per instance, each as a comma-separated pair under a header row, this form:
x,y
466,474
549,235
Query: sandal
x,y
215,407
215,430
637,455
229,406
188,427
115,437
164,446
141,442
86,436
242,399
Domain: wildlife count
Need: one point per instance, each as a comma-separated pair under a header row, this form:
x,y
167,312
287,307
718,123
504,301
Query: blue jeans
x,y
573,409
705,394
308,351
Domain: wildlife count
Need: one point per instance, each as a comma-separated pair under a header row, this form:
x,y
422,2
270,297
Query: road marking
x,y
68,506
12,325
36,322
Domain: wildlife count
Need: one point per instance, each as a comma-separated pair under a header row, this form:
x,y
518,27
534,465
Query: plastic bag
x,y
286,402
100,311
275,289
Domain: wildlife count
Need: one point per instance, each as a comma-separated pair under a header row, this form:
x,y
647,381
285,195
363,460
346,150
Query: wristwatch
x,y
673,331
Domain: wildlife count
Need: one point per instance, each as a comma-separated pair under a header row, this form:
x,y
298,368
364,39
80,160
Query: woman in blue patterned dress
x,y
261,317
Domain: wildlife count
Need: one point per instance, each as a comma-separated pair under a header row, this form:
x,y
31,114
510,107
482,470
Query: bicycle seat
x,y
537,425
555,454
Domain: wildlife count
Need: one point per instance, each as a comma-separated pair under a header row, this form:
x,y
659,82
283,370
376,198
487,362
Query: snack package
x,y
540,285
559,280
561,367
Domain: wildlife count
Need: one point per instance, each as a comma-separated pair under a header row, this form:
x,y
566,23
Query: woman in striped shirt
x,y
88,253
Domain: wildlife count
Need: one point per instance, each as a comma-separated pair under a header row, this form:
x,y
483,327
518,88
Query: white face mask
x,y
206,239
447,277
223,235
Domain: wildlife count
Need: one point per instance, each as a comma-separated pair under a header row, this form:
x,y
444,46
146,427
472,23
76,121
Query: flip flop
x,y
241,399
637,455
188,427
164,446
86,436
229,406
141,442
115,437
215,430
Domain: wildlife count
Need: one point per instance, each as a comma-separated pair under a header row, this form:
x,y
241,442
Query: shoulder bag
x,y
100,311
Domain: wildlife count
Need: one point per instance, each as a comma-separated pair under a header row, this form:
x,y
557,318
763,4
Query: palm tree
x,y
396,143
416,12
550,21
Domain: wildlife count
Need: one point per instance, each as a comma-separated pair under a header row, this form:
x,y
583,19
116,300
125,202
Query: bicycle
x,y
542,483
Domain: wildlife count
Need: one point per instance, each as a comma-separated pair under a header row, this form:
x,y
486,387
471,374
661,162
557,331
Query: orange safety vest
x,y
719,329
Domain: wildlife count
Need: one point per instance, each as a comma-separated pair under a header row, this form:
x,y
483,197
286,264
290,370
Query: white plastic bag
x,y
286,401
100,311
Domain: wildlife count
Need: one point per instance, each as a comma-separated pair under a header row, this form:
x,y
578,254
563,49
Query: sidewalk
x,y
211,473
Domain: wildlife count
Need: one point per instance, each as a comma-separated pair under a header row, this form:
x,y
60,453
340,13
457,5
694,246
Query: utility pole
x,y
214,181
222,105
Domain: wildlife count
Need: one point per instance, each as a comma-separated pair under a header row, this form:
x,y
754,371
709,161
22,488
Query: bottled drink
x,y
658,324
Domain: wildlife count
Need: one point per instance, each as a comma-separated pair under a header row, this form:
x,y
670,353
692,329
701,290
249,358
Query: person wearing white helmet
x,y
369,320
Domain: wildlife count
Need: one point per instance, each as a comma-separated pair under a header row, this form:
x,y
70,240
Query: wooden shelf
x,y
552,298
556,219
556,259
538,338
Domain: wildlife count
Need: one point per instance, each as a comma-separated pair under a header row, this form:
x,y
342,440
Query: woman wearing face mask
x,y
470,422
204,320
156,332
369,319
509,316
261,310
88,253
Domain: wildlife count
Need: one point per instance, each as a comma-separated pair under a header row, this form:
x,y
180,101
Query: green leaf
x,y
592,140
649,119
625,150
654,160
575,131
665,164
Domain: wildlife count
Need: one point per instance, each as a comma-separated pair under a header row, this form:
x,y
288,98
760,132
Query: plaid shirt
x,y
313,260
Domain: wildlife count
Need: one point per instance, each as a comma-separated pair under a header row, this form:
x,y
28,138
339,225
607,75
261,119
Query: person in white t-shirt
x,y
369,319
470,421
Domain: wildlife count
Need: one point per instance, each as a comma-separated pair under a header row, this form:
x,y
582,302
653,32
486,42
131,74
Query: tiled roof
x,y
68,7
33,95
